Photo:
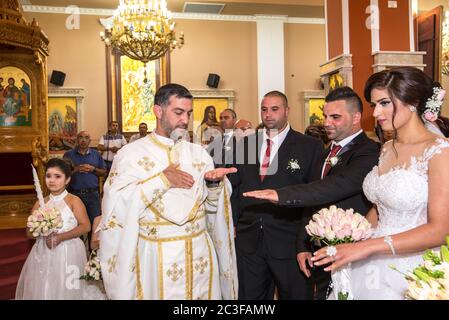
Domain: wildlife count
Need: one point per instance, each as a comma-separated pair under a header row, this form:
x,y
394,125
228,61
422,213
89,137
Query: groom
x,y
338,176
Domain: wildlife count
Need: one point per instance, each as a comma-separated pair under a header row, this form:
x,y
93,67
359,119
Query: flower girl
x,y
56,261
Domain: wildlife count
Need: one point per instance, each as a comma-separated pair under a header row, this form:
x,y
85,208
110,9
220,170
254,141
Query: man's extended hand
x,y
304,258
178,178
267,194
218,174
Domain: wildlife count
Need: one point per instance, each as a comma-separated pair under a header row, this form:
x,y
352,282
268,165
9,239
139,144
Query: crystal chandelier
x,y
142,30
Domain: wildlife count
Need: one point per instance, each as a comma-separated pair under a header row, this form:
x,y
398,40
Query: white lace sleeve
x,y
436,148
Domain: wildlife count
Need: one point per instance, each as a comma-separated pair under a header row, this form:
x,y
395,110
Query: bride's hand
x,y
344,254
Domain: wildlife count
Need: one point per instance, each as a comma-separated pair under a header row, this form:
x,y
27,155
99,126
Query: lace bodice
x,y
401,193
69,220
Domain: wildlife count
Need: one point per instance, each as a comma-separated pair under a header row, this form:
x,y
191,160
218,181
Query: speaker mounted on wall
x,y
213,80
57,78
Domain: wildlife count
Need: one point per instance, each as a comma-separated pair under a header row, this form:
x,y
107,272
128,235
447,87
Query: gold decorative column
x,y
23,111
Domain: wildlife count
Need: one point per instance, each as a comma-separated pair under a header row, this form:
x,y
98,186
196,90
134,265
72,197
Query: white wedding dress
x,y
401,196
53,274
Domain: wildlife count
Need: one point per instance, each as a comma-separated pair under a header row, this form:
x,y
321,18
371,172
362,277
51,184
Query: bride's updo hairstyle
x,y
407,84
64,165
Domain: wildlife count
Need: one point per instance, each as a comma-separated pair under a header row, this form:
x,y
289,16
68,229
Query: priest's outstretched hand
x,y
218,174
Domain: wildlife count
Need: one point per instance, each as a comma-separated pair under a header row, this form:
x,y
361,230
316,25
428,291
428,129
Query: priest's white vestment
x,y
158,242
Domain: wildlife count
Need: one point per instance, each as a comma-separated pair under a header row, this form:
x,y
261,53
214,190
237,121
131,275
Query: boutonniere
x,y
333,161
293,165
227,148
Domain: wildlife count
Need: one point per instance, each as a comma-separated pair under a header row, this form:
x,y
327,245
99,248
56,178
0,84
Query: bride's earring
x,y
412,109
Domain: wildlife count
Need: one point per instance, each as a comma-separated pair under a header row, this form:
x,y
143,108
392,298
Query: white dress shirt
x,y
227,136
276,143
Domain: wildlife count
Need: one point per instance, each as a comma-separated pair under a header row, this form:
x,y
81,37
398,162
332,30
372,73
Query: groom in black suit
x,y
338,176
274,157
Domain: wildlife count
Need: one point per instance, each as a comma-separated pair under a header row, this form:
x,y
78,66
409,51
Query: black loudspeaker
x,y
57,78
213,80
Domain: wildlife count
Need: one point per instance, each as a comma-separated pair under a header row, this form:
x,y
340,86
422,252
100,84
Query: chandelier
x,y
142,30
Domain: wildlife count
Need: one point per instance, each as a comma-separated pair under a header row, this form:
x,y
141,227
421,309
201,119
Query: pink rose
x,y
335,221
347,230
357,234
340,234
320,231
430,116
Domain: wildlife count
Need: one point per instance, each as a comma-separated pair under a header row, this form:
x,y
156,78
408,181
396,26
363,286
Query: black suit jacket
x,y
278,224
341,187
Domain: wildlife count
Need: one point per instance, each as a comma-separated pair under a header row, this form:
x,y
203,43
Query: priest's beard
x,y
180,134
177,132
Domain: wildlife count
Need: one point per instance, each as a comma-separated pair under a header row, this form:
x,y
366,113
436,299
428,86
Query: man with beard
x,y
166,229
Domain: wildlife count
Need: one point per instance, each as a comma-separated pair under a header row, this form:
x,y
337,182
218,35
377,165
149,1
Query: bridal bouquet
x,y
44,221
333,226
430,281
92,268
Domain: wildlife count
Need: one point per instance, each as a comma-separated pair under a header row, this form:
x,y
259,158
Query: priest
x,y
167,230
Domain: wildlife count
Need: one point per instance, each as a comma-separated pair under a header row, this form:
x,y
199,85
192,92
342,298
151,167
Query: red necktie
x,y
265,161
333,153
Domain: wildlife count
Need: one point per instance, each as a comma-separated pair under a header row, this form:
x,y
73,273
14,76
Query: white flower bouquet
x,y
333,226
430,281
44,221
92,268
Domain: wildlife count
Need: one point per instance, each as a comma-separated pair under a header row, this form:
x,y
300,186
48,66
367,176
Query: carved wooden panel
x,y
15,209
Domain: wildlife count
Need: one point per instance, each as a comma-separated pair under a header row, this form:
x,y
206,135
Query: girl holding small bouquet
x,y
57,259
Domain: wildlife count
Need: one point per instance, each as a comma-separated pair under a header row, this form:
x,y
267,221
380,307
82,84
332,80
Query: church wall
x,y
227,48
304,52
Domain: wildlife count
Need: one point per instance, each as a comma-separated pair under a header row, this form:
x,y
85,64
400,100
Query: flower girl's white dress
x,y
54,273
401,197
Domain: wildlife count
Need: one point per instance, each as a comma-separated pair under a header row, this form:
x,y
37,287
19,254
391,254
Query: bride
x,y
409,187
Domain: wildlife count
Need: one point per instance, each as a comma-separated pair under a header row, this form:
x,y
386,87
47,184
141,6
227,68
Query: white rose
x,y
329,234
